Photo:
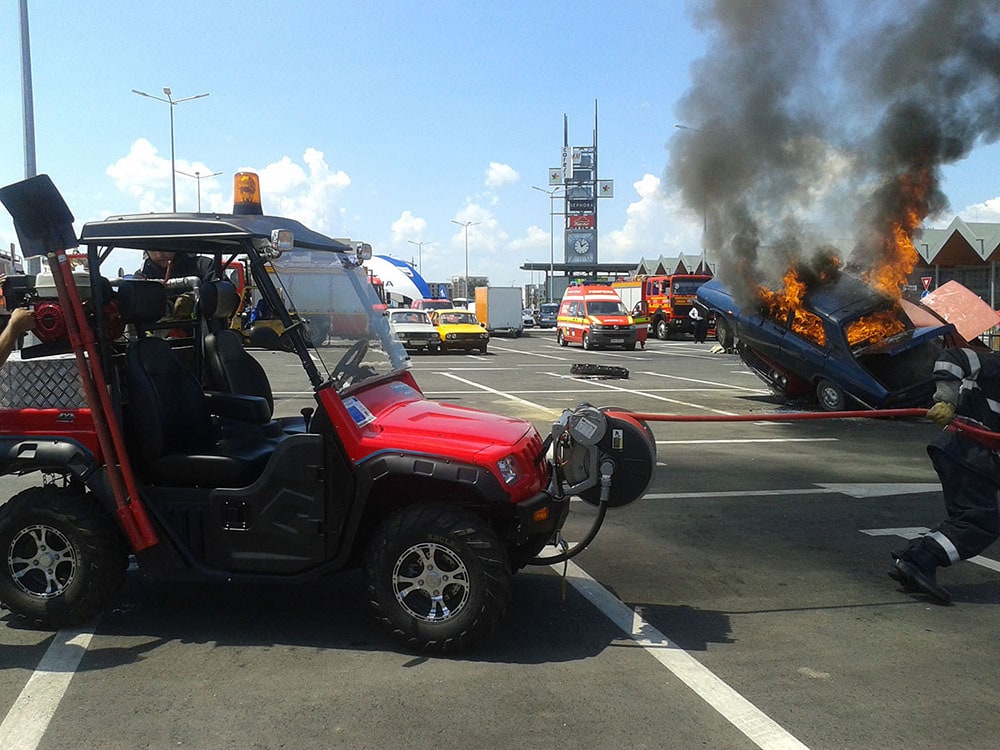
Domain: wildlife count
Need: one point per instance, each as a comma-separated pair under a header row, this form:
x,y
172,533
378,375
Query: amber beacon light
x,y
246,194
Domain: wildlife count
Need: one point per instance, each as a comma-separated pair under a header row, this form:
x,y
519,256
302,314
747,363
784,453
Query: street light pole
x,y
198,176
552,196
173,103
420,246
466,225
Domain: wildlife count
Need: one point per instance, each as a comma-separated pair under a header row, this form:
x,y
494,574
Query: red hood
x,y
430,423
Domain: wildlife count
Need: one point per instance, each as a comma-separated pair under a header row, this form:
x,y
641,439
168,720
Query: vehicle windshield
x,y
398,317
549,308
689,286
344,318
457,317
606,307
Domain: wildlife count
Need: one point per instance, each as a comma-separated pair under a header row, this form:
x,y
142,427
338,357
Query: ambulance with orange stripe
x,y
594,316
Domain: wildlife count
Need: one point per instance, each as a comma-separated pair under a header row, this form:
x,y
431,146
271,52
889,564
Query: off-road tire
x,y
85,547
429,543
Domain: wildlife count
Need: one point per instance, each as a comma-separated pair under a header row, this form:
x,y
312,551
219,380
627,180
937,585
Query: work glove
x,y
942,412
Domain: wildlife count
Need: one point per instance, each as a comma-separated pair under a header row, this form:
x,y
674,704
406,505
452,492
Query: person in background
x,y
968,386
20,322
165,264
700,318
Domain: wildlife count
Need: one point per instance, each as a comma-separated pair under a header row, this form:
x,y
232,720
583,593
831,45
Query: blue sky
x,y
382,122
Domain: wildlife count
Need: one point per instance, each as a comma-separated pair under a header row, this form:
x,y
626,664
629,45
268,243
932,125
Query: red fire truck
x,y
663,301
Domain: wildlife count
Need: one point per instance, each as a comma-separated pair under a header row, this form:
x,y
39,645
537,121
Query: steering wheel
x,y
347,369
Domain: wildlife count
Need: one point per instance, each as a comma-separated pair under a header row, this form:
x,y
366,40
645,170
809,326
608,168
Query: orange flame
x,y
898,254
788,301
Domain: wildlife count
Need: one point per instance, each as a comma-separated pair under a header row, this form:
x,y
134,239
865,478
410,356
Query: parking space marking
x,y
727,386
31,713
525,353
502,394
608,386
757,726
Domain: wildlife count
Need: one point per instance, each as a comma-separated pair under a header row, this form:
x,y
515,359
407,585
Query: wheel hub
x,y
431,582
41,561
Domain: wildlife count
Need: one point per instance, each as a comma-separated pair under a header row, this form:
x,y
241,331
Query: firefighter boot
x,y
915,569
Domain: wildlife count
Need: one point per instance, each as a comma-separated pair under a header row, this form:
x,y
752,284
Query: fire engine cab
x,y
594,316
663,302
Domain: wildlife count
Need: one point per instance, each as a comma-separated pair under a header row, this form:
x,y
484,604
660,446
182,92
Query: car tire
x,y
724,332
482,349
586,342
62,557
438,577
830,396
560,339
662,329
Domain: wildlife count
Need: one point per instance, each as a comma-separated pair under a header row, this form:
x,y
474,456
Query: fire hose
x,y
961,426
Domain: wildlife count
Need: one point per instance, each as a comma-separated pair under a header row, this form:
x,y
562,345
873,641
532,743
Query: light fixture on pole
x,y
173,103
552,196
419,245
198,176
466,225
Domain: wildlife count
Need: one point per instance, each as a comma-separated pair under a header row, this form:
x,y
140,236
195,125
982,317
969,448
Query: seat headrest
x,y
219,299
141,301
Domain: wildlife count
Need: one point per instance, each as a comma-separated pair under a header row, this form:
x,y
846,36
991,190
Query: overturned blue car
x,y
846,346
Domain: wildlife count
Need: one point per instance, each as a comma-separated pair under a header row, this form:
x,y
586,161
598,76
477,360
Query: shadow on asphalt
x,y
540,626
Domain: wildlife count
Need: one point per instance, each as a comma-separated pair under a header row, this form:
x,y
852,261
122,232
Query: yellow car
x,y
459,329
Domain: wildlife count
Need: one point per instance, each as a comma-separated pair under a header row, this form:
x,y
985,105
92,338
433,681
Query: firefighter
x,y
968,385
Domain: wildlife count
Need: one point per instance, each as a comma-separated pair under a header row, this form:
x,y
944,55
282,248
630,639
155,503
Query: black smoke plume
x,y
815,128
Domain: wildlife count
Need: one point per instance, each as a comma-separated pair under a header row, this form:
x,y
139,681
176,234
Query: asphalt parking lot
x,y
743,602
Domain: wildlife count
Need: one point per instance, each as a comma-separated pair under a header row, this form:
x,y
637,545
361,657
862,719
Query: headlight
x,y
508,469
450,336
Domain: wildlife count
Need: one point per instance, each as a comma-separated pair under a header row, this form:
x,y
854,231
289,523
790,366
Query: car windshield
x,y
458,318
606,307
549,308
398,317
345,319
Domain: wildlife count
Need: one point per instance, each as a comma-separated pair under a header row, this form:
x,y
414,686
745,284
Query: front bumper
x,y
621,337
541,514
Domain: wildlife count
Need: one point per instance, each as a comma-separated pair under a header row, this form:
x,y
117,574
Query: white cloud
x,y
498,175
656,224
309,194
408,227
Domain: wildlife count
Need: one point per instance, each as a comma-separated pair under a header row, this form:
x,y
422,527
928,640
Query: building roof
x,y
961,243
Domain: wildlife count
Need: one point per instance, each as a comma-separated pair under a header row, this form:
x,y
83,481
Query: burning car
x,y
842,342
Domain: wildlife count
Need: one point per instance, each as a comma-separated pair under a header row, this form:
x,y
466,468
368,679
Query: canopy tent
x,y
399,277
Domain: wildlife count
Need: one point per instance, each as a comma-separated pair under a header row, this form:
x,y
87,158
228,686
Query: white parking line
x,y
502,394
28,718
737,710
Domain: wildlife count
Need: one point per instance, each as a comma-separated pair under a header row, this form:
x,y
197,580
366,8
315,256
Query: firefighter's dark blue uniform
x,y
969,471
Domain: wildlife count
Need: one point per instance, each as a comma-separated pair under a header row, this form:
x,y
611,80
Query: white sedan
x,y
415,330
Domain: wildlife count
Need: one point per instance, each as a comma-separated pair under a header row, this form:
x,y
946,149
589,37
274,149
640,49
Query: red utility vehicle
x,y
174,449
